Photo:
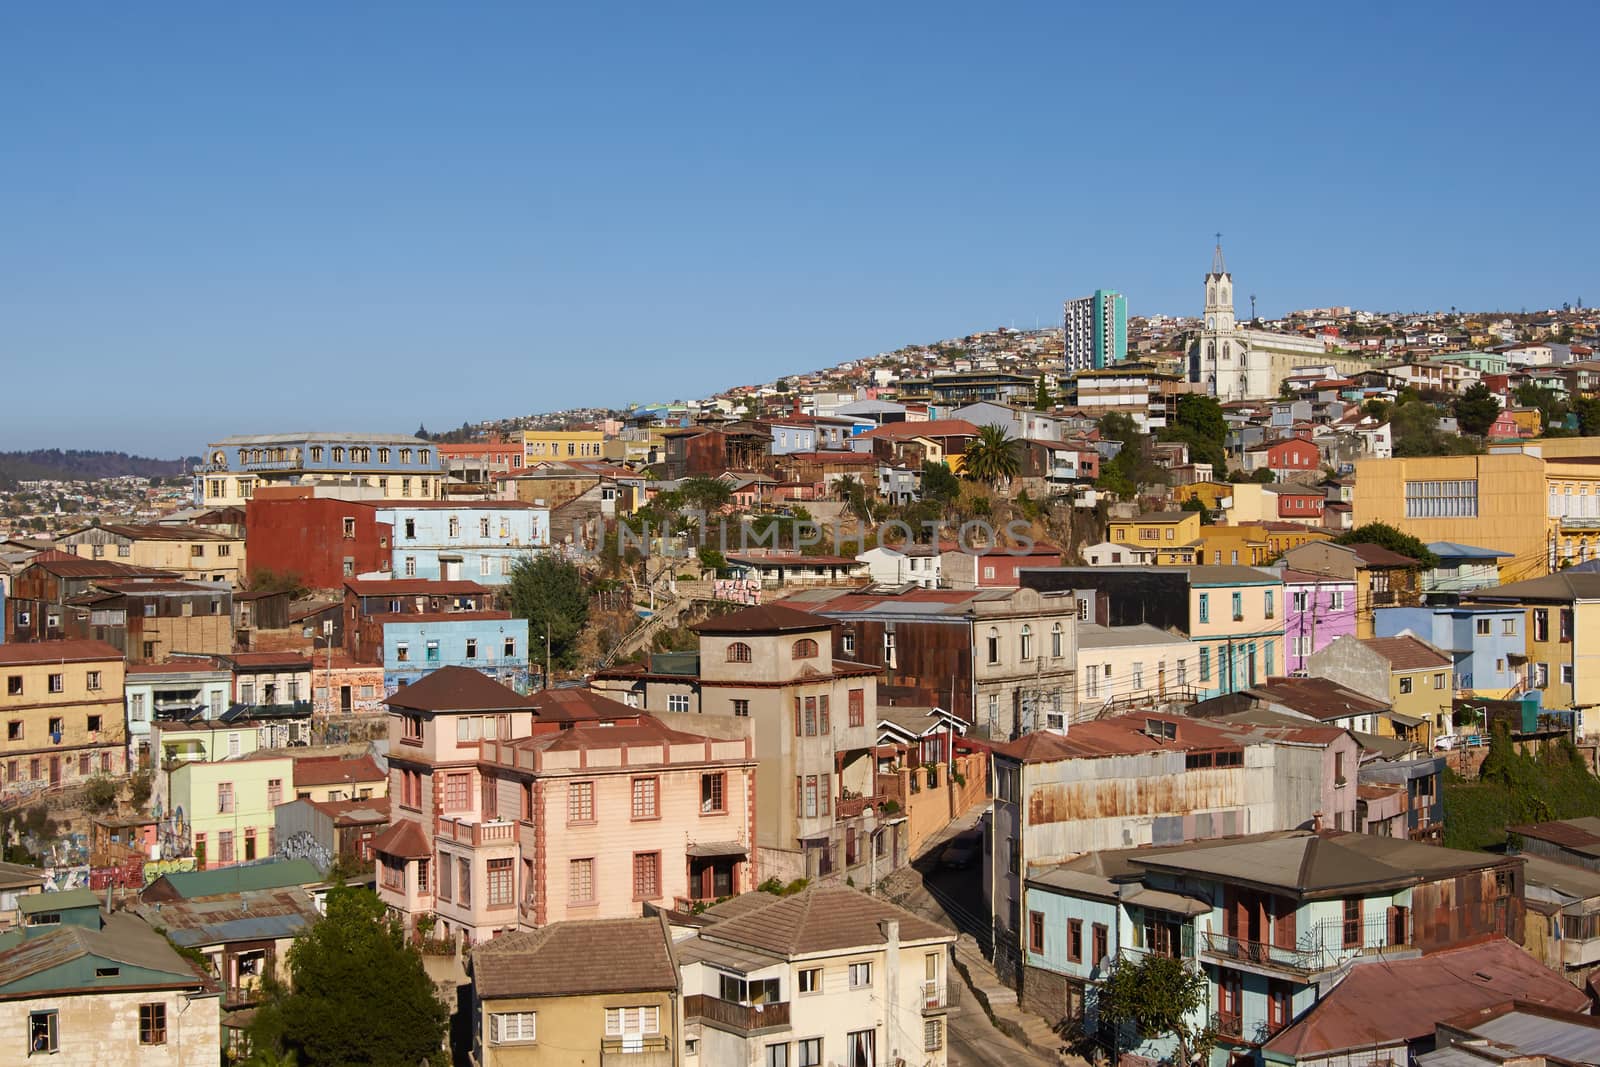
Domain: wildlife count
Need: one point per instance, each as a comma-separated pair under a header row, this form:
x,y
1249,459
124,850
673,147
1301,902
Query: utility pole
x,y
547,652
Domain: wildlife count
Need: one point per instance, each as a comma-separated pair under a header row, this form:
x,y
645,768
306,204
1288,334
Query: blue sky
x,y
362,216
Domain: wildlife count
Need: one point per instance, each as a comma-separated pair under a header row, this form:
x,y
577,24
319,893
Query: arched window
x,y
805,648
738,652
338,453
994,645
1055,641
1026,642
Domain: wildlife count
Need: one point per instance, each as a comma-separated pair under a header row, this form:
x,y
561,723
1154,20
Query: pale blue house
x,y
1483,641
479,540
1271,920
491,642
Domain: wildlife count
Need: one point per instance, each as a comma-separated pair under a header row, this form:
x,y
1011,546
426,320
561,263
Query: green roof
x,y
66,900
279,874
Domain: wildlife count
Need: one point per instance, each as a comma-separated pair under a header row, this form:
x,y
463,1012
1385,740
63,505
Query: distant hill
x,y
53,464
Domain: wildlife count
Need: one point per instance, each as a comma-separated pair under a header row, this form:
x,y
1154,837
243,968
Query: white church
x,y
1246,364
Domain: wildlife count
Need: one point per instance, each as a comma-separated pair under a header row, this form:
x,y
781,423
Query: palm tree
x,y
991,456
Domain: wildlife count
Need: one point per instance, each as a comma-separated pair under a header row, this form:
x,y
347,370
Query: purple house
x,y
1319,608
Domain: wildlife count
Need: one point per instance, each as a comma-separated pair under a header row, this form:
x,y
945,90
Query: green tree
x,y
1194,503
854,494
1158,996
358,993
549,593
939,484
1552,409
992,456
1588,412
705,494
1203,415
1476,409
1386,536
1041,396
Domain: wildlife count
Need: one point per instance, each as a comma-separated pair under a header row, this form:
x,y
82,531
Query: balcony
x,y
1322,948
476,834
1228,1025
744,1019
933,997
635,1052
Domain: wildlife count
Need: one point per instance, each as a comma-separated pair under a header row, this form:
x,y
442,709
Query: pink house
x,y
512,811
1319,609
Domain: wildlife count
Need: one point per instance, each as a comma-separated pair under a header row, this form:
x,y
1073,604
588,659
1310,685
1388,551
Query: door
x,y
55,770
345,704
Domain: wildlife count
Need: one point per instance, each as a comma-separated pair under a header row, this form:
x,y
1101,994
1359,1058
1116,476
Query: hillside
x,y
54,464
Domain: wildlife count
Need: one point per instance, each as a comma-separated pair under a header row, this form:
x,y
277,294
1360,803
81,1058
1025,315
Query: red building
x,y
1284,458
1300,504
498,455
320,540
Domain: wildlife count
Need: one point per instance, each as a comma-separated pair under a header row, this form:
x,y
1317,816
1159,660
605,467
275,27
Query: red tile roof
x,y
1407,653
458,689
411,587
577,959
765,619
335,770
931,428
404,840
56,652
1400,1000
577,704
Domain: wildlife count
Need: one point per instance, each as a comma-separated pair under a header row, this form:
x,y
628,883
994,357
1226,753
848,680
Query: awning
x,y
1406,720
1162,900
713,849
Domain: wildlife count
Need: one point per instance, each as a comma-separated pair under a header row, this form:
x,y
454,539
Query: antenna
x,y
1252,307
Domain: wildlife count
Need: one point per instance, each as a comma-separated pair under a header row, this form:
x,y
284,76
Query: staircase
x,y
1000,1002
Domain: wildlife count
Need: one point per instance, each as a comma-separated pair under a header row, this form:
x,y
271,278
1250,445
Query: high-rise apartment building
x,y
1096,330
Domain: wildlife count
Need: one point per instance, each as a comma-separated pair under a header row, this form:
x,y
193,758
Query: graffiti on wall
x,y
302,846
154,869
737,590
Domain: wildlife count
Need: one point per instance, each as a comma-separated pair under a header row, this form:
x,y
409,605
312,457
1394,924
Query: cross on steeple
x,y
1218,266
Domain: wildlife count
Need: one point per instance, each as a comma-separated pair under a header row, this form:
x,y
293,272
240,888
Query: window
x,y
861,1048
42,1032
152,1024
463,878
1075,940
1438,680
777,1056
447,878
1442,500
56,683
1138,675
932,1035
848,642
739,652
411,729
1508,627
711,788
472,648
1352,923
857,702
1405,685
509,651
513,1027
402,652
994,645
1099,944
741,709
1205,665
225,846
56,728
13,685
623,1022
1205,607
1482,627
1238,606
644,798
1541,624
811,980
349,529
1566,674
1271,609
224,798
1036,932
646,875
805,648
580,802
502,883
1566,627
1025,642
860,975
456,789
1297,601
1280,1004
1336,601
809,1051
678,702
411,567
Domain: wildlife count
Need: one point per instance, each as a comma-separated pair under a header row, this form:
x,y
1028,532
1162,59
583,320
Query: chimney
x,y
1316,822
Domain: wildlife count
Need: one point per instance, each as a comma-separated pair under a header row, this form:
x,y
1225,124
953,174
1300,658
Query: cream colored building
x,y
82,989
577,994
193,552
827,976
61,715
1125,666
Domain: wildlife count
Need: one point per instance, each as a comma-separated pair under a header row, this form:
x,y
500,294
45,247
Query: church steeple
x,y
1219,266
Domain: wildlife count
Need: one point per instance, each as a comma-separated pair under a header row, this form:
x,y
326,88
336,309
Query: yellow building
x,y
1421,687
195,553
597,991
62,714
1213,495
1171,535
1538,500
1383,579
540,445
1237,546
1563,619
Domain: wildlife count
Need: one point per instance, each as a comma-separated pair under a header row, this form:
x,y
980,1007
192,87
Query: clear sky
x,y
351,216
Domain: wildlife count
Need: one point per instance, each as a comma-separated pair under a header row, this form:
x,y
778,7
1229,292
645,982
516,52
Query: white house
x,y
897,565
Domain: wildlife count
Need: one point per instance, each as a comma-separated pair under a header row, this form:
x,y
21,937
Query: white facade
x,y
891,566
1235,364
